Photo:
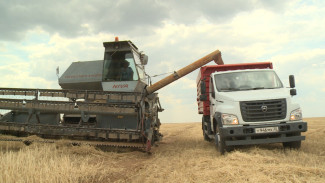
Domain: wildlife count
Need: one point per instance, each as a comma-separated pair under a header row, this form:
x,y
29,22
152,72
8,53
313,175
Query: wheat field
x,y
182,156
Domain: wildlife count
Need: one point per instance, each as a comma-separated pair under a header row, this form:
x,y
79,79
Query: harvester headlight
x,y
296,115
229,119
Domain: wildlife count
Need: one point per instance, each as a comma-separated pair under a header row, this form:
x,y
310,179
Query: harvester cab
x,y
122,70
104,102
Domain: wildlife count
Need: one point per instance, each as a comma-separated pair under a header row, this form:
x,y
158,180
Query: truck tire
x,y
294,144
221,144
205,131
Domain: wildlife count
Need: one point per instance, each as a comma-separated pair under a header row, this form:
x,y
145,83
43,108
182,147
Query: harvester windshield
x,y
119,66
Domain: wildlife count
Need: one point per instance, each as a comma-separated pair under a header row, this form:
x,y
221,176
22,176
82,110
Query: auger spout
x,y
216,56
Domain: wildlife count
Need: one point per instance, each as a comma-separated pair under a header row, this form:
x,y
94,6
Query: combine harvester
x,y
106,103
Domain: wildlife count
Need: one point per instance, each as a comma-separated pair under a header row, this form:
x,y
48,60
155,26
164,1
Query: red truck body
x,y
205,72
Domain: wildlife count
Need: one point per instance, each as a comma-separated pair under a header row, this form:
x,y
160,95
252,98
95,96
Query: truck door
x,y
212,99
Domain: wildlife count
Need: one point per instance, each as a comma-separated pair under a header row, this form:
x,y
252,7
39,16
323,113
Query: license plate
x,y
267,130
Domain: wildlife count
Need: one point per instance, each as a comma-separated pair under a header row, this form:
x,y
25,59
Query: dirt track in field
x,y
182,156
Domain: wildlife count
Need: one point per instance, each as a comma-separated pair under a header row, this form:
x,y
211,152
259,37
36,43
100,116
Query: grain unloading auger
x,y
106,102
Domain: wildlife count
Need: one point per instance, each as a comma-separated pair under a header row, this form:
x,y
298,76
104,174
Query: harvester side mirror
x,y
57,71
293,92
144,59
292,81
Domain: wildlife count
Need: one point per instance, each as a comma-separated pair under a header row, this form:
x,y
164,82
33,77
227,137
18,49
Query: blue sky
x,y
37,36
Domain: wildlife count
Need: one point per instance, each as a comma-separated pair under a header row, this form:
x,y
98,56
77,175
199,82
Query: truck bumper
x,y
246,135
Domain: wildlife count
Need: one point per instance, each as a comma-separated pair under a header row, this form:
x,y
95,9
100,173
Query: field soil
x,y
182,156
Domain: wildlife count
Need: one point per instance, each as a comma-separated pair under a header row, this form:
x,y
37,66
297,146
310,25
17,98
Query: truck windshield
x,y
247,80
119,66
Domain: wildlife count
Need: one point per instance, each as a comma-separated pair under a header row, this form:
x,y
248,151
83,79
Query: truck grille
x,y
263,110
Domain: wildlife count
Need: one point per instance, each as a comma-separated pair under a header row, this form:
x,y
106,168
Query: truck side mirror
x,y
203,97
203,86
292,81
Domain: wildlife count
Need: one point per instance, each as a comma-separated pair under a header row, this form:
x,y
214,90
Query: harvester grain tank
x,y
243,104
103,102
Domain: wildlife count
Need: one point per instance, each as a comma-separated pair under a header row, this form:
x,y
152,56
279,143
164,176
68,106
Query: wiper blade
x,y
258,88
229,89
242,89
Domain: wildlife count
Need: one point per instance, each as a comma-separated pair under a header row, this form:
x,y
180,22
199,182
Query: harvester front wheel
x,y
148,146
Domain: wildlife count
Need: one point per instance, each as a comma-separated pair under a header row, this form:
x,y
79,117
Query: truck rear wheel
x,y
205,131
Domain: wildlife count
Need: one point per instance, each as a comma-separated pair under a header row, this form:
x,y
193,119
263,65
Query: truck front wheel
x,y
294,144
220,143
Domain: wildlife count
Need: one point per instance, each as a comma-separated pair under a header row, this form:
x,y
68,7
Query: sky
x,y
37,36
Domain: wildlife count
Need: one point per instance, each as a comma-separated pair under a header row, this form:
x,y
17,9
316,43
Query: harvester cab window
x,y
140,67
119,66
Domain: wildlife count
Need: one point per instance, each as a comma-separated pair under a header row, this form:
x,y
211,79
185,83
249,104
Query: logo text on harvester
x,y
121,86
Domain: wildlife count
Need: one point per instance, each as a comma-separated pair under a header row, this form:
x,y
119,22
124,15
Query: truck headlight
x,y
229,119
296,115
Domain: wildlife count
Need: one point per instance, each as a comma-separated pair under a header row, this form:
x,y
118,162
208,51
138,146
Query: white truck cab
x,y
248,104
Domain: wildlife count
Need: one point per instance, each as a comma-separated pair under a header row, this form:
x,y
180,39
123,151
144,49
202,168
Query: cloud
x,y
17,75
308,56
77,18
190,11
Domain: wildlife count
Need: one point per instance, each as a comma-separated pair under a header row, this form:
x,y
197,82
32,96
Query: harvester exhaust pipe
x,y
216,56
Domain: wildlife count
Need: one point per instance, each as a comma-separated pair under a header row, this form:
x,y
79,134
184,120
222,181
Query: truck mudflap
x,y
263,134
